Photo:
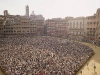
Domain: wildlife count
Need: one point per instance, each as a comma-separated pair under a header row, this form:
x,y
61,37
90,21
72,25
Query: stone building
x,y
61,27
76,26
56,27
16,24
50,24
88,27
98,27
1,25
92,24
38,23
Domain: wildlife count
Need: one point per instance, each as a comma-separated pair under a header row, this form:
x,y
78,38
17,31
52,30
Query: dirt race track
x,y
88,69
1,73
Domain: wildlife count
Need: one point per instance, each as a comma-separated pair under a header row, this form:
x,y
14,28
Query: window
x,y
94,23
97,23
70,26
73,26
90,22
80,23
70,23
93,28
77,23
87,28
73,23
76,26
80,26
80,32
90,28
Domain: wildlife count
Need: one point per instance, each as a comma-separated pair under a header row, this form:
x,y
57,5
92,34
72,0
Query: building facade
x,y
60,27
50,24
56,27
98,27
1,25
88,27
92,24
76,26
16,24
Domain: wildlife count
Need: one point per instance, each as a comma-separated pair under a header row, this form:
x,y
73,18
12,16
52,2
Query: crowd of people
x,y
84,39
95,42
75,38
41,55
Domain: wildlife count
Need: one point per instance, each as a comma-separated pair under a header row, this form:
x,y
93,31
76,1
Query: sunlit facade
x,y
16,24
76,26
56,27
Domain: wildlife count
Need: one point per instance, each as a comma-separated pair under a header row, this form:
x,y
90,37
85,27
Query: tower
x,y
5,13
27,11
98,13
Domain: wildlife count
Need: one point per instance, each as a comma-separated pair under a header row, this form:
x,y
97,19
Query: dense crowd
x,y
75,38
95,42
80,38
41,55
